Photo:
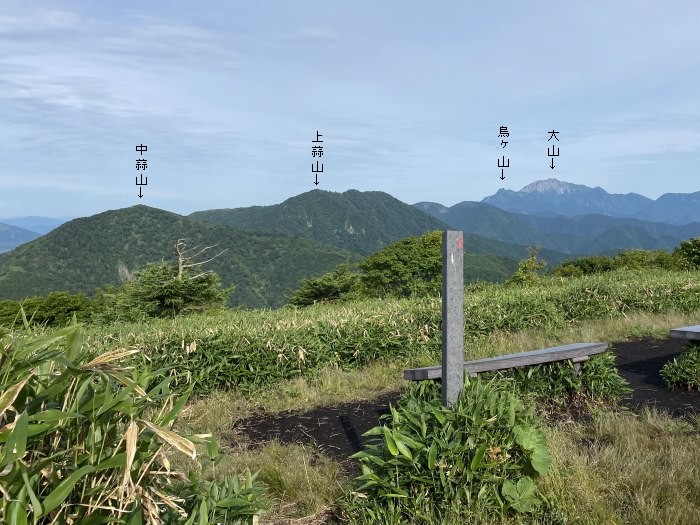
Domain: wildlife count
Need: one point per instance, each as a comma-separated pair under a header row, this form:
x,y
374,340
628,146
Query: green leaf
x,y
432,456
137,516
509,490
478,457
213,448
17,513
203,513
36,504
53,414
375,431
541,459
116,461
390,443
403,449
177,408
17,440
61,492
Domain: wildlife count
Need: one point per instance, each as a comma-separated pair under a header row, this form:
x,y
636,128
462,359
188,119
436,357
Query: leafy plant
x,y
408,268
689,252
232,500
557,382
250,350
159,291
83,439
56,309
429,462
683,371
529,269
338,284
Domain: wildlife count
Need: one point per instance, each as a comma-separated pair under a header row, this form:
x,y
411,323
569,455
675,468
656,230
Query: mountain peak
x,y
551,186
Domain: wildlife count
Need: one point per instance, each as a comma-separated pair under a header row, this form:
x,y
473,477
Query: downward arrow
x,y
552,166
316,183
140,193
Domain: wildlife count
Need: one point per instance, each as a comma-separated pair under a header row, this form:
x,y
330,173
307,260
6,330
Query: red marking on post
x,y
460,242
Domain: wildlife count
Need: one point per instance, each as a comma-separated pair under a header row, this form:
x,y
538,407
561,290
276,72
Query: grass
x,y
334,385
253,350
617,468
626,468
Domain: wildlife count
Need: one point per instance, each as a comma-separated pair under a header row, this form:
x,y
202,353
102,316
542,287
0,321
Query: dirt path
x,y
337,429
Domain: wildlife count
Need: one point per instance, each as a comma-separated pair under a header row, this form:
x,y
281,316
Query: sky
x,y
409,98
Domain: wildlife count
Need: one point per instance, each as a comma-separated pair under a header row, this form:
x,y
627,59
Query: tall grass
x,y
83,440
249,350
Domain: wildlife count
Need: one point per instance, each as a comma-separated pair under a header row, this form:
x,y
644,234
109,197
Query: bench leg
x,y
577,363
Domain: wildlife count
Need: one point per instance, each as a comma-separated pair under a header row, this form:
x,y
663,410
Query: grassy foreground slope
x,y
615,468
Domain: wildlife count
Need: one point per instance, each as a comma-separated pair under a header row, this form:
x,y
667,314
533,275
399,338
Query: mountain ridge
x,y
346,220
588,234
552,197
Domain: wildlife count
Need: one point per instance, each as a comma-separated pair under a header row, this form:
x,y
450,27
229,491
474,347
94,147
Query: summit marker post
x,y
452,316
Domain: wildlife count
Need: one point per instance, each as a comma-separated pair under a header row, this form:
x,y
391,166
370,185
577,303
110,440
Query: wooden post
x,y
452,316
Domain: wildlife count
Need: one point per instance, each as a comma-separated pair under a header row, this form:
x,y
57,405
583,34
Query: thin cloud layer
x,y
409,99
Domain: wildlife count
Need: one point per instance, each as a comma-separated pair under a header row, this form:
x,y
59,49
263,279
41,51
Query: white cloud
x,y
38,20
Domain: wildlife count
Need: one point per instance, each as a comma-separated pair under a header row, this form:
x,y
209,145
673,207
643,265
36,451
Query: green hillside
x,y
477,244
362,222
87,253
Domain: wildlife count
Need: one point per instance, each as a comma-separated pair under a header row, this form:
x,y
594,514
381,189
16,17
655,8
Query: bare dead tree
x,y
185,259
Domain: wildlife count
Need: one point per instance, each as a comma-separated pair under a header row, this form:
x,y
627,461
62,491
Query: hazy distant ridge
x,y
552,197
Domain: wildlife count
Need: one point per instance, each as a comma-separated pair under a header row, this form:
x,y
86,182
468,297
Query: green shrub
x,y
567,270
558,382
585,266
627,259
683,371
338,284
643,259
82,439
158,290
435,464
529,269
56,309
411,267
232,501
688,252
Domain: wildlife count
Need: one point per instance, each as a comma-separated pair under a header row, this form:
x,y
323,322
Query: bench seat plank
x,y
534,357
687,332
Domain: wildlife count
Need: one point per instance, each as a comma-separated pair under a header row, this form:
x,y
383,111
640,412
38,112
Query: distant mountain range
x,y
11,236
263,261
34,224
18,230
583,234
271,248
551,197
575,219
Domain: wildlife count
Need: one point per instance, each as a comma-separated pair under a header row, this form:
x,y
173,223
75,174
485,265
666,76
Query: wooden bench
x,y
577,352
687,332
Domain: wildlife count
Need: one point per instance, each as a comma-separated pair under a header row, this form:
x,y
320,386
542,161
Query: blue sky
x,y
409,98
